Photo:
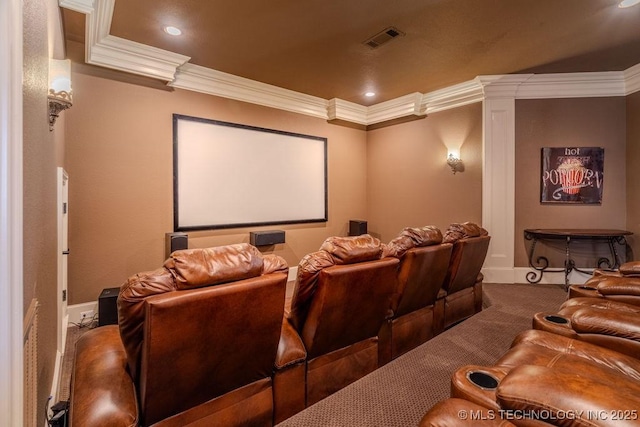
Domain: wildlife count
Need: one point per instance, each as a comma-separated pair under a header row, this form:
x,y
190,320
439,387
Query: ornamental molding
x,y
108,51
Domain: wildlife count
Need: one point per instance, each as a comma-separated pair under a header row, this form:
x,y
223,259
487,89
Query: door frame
x,y
11,222
63,246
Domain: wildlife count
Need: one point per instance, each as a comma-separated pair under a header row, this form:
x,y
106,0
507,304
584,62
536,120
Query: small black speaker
x,y
174,242
266,238
357,227
108,307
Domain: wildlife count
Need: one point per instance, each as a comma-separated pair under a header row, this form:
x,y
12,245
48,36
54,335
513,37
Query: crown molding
x,y
503,85
404,106
572,85
632,79
120,54
339,109
212,82
452,97
113,52
132,57
82,6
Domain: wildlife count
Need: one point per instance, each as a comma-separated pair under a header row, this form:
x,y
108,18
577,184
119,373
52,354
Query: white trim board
x,y
120,54
519,275
11,242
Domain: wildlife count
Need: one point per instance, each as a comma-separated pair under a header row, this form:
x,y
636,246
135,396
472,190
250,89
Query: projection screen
x,y
231,175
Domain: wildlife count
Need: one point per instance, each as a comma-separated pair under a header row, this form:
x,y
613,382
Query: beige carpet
x,y
400,393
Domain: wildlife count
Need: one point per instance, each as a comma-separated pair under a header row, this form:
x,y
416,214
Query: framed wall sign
x,y
572,175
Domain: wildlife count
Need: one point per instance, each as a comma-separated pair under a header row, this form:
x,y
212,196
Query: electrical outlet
x,y
86,315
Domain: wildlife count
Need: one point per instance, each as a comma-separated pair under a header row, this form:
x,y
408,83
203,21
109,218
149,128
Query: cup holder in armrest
x,y
483,380
556,319
587,288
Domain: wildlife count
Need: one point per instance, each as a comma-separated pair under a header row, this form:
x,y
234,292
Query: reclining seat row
x,y
358,303
439,284
189,352
192,346
605,311
546,379
583,363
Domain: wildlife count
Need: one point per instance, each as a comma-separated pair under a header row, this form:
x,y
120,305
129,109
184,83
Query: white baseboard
x,y
519,275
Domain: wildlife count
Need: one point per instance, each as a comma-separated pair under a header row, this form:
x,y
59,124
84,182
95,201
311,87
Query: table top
x,y
577,232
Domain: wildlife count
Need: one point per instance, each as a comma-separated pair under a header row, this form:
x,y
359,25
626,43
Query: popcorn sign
x,y
572,175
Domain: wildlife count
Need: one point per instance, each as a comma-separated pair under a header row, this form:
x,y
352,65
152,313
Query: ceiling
x,y
316,47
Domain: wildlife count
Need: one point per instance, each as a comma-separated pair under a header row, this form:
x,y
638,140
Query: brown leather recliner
x,y
551,375
463,283
602,321
341,298
196,344
424,261
622,285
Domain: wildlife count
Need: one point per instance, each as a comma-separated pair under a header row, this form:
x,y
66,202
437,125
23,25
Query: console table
x,y
541,265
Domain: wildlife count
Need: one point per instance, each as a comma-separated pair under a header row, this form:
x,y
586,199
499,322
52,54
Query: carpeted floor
x,y
400,393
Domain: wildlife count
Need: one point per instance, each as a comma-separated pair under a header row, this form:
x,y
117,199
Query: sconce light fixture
x,y
455,163
59,88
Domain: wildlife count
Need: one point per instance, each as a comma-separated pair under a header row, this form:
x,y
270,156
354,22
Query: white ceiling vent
x,y
383,37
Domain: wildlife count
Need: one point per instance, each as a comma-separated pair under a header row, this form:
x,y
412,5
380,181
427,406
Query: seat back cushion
x,y
466,262
421,275
202,343
349,305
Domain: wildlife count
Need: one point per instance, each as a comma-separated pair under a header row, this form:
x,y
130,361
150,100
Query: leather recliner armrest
x,y
102,391
592,320
627,365
289,379
623,289
548,391
291,350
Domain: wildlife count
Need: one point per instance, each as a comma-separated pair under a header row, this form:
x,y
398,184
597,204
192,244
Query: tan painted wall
x,y
585,122
409,182
120,162
633,171
39,200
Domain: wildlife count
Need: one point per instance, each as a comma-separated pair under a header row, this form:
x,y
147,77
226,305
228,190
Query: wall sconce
x,y
59,88
455,163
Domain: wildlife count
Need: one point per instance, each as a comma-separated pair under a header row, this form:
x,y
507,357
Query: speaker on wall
x,y
266,238
357,227
174,242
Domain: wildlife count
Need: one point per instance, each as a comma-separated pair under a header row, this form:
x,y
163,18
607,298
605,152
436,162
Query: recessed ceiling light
x,y
174,31
628,3
370,94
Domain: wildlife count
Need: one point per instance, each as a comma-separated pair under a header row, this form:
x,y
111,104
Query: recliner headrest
x,y
194,268
464,230
411,237
349,250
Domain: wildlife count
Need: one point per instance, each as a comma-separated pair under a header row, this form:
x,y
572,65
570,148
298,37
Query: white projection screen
x,y
230,175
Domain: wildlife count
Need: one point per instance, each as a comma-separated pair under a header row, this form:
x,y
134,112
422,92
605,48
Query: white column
x,y
11,276
498,179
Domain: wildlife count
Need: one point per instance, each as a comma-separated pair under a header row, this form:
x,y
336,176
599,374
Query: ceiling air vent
x,y
383,37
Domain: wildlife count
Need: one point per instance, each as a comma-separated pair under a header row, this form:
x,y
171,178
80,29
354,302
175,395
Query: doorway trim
x,y
11,273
